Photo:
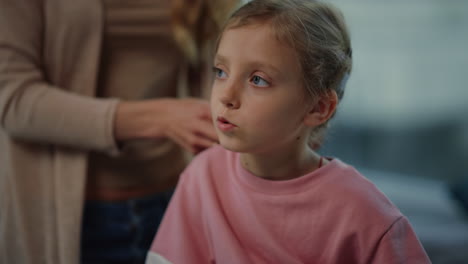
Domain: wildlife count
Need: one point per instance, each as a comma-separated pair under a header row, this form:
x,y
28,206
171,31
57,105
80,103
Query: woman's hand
x,y
186,121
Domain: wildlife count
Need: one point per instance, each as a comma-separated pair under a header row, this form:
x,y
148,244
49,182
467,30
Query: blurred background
x,y
404,118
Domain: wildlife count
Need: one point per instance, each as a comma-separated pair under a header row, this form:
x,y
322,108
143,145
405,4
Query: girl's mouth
x,y
224,125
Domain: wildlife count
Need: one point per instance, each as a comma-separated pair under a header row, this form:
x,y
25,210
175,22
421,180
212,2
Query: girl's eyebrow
x,y
220,58
256,64
259,64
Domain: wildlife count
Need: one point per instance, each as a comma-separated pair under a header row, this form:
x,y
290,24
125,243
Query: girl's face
x,y
258,102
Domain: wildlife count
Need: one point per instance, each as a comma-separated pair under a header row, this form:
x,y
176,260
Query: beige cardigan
x,y
42,185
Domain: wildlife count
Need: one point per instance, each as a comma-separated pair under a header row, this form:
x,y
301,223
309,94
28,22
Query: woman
x,y
88,112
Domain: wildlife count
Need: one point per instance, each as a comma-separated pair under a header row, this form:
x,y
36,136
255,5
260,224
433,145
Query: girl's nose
x,y
230,97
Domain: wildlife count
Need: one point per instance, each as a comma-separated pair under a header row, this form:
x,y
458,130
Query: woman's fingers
x,y
183,142
206,129
194,136
201,143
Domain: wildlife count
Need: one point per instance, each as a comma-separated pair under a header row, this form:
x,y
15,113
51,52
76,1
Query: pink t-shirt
x,y
221,213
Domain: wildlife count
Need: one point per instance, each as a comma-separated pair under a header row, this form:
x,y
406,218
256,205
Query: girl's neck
x,y
281,165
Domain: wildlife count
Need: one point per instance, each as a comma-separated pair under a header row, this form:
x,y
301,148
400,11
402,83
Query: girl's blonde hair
x,y
319,36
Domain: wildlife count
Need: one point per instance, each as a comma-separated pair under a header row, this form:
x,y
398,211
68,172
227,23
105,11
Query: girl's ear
x,y
322,110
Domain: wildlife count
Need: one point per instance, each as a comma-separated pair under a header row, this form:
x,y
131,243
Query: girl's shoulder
x,y
361,196
211,161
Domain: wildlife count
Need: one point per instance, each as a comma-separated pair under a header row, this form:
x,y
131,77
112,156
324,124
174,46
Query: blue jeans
x,y
121,232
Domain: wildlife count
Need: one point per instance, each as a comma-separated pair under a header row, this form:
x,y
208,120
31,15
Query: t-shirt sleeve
x,y
181,237
400,245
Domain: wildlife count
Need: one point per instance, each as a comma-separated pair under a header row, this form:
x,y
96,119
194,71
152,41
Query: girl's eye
x,y
259,81
219,73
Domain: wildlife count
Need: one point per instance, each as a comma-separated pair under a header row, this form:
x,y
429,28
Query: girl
x,y
265,196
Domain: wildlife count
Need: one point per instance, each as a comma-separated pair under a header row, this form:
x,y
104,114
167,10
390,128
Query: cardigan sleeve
x,y
33,109
400,245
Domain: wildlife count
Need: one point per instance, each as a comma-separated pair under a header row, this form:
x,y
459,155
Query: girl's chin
x,y
233,146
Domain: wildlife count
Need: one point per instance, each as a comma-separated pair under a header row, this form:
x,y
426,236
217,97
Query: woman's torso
x,y
140,60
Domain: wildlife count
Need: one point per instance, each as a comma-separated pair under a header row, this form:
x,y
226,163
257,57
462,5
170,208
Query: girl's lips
x,y
224,125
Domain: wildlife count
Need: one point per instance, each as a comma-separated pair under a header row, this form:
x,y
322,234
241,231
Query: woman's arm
x,y
33,109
